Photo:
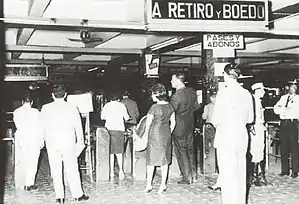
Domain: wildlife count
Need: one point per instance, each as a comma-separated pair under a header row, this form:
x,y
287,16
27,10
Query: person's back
x,y
235,103
184,102
58,122
26,119
115,114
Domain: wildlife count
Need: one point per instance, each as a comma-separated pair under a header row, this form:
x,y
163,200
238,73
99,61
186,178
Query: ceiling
x,y
51,29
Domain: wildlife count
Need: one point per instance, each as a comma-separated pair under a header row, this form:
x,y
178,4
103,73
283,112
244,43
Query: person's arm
x,y
172,122
195,103
136,111
148,122
40,130
103,113
251,109
205,112
175,102
79,131
125,113
279,106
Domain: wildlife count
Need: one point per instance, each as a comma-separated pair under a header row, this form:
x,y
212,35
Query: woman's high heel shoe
x,y
148,189
162,189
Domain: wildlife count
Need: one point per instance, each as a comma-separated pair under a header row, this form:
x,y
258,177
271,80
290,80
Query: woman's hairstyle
x,y
27,98
160,92
233,70
59,90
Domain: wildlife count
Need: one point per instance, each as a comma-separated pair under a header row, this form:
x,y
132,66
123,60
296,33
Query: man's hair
x,y
233,70
160,91
27,98
114,96
59,90
181,76
126,93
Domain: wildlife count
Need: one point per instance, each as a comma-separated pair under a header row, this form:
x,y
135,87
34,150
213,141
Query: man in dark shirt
x,y
132,108
185,103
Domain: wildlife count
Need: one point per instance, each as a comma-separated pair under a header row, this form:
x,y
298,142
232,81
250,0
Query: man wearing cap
x,y
288,110
257,136
232,111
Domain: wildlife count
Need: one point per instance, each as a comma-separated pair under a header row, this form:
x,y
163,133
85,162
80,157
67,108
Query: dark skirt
x,y
116,142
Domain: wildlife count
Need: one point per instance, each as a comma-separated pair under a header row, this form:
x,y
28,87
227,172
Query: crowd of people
x,y
234,125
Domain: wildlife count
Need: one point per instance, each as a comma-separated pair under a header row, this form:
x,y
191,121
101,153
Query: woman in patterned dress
x,y
160,123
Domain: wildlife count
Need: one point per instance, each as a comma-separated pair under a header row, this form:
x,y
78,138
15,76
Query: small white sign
x,y
223,41
82,101
152,63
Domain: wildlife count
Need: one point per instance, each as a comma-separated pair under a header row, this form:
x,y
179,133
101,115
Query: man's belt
x,y
289,120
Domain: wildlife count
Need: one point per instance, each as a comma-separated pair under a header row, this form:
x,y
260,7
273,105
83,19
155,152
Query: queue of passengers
x,y
233,117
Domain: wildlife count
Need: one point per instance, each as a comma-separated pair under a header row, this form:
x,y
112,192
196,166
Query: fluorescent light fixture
x,y
264,63
93,69
244,77
166,43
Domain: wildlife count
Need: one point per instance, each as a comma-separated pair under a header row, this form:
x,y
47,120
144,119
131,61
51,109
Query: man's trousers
x,y
184,151
289,144
69,159
232,167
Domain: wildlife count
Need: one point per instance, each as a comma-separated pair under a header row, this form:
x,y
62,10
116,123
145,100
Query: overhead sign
x,y
152,63
223,41
209,10
208,16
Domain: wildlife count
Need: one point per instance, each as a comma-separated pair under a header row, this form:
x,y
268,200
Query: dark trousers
x,y
184,151
289,144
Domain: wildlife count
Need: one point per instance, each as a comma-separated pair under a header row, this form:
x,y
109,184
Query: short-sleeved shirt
x,y
115,113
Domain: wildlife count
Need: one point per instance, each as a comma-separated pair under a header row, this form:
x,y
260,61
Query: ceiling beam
x,y
37,9
73,50
59,24
55,62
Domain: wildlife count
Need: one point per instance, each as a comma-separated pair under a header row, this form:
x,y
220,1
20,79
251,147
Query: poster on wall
x,y
152,64
82,101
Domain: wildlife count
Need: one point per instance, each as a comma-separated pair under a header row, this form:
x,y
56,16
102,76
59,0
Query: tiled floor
x,y
284,190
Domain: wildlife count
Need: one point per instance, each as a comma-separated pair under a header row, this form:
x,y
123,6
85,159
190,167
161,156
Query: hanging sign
x,y
209,10
207,16
152,64
219,41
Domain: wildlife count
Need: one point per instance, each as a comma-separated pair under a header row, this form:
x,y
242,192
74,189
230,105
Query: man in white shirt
x,y
28,142
62,127
232,111
288,110
115,114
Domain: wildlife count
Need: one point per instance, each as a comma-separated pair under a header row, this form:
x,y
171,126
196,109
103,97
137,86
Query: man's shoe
x,y
283,174
294,175
214,188
30,188
184,182
60,200
83,197
27,188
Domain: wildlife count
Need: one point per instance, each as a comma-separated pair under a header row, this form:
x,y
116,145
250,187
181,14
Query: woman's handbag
x,y
139,139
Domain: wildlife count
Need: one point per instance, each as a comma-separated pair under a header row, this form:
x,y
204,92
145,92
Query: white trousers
x,y
26,161
70,164
257,143
232,168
